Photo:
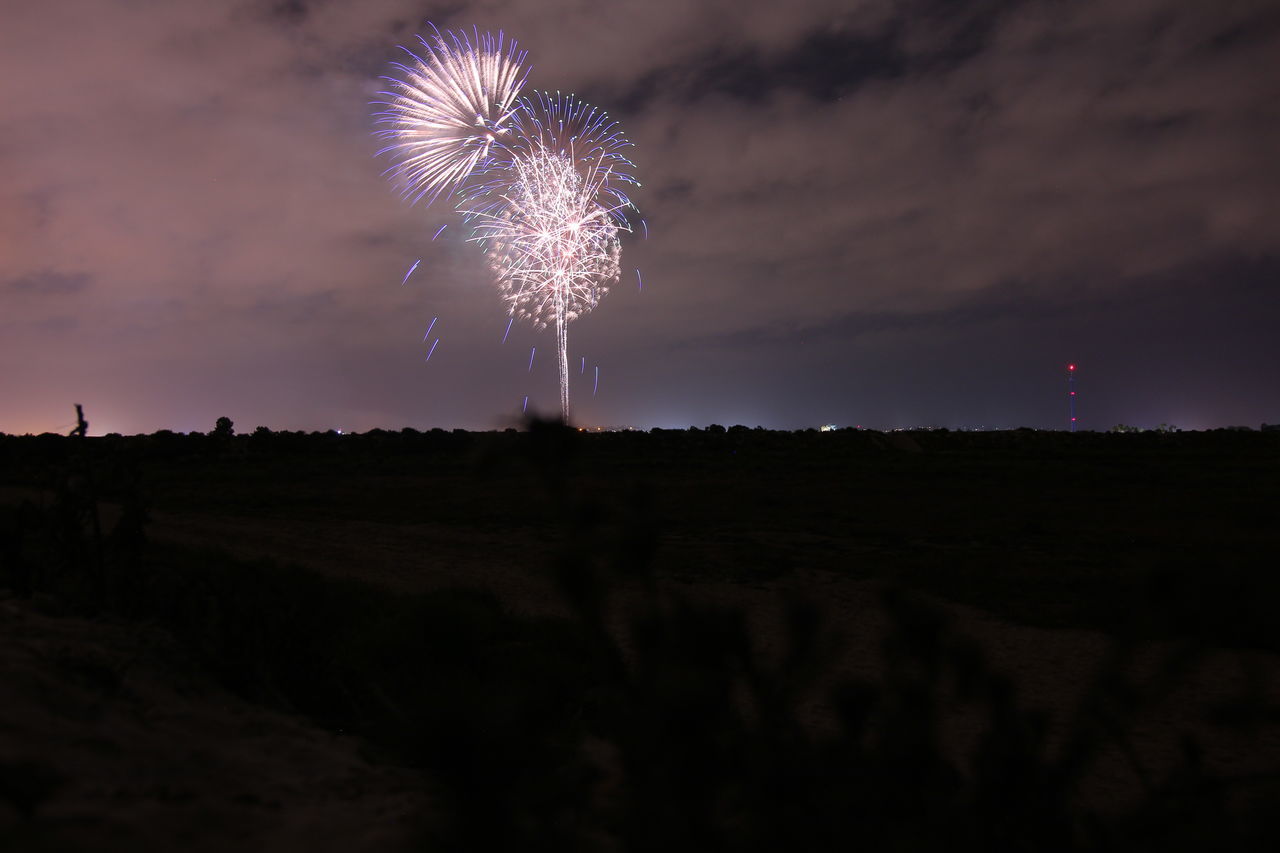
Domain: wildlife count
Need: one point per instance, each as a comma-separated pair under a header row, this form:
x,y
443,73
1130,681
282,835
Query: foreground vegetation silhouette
x,y
643,720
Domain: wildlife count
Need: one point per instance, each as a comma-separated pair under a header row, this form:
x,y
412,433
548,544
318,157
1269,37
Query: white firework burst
x,y
550,207
553,249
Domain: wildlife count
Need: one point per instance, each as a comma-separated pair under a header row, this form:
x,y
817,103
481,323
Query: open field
x,y
1121,586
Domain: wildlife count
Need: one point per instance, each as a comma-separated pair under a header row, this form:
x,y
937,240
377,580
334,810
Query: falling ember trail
x,y
583,369
508,331
438,231
525,407
532,350
433,349
429,327
562,358
410,272
596,386
639,279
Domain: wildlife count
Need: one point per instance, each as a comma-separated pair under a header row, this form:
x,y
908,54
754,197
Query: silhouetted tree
x,y
223,427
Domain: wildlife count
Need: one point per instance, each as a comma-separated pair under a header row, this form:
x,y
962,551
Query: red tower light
x,y
1071,394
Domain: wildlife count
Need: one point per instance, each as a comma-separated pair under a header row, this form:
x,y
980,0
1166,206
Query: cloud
x,y
209,169
48,284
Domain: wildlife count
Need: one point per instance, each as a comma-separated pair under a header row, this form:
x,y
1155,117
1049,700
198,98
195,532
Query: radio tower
x,y
1071,394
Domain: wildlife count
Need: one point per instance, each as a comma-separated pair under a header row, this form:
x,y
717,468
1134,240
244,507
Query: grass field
x,y
716,638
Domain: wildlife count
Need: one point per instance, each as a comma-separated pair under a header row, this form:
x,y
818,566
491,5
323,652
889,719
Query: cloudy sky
x,y
876,212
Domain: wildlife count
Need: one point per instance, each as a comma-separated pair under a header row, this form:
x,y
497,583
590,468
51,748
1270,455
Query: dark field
x,y
712,639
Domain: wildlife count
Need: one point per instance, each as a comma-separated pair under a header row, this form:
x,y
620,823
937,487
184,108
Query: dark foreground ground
x,y
709,640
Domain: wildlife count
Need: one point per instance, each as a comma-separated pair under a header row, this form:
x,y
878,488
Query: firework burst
x,y
550,208
543,180
552,248
551,213
448,110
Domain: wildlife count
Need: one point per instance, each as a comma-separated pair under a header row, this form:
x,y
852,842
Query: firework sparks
x,y
429,328
410,272
639,280
433,349
439,231
532,351
596,385
508,331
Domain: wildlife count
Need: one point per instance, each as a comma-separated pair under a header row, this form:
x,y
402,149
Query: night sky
x,y
887,213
